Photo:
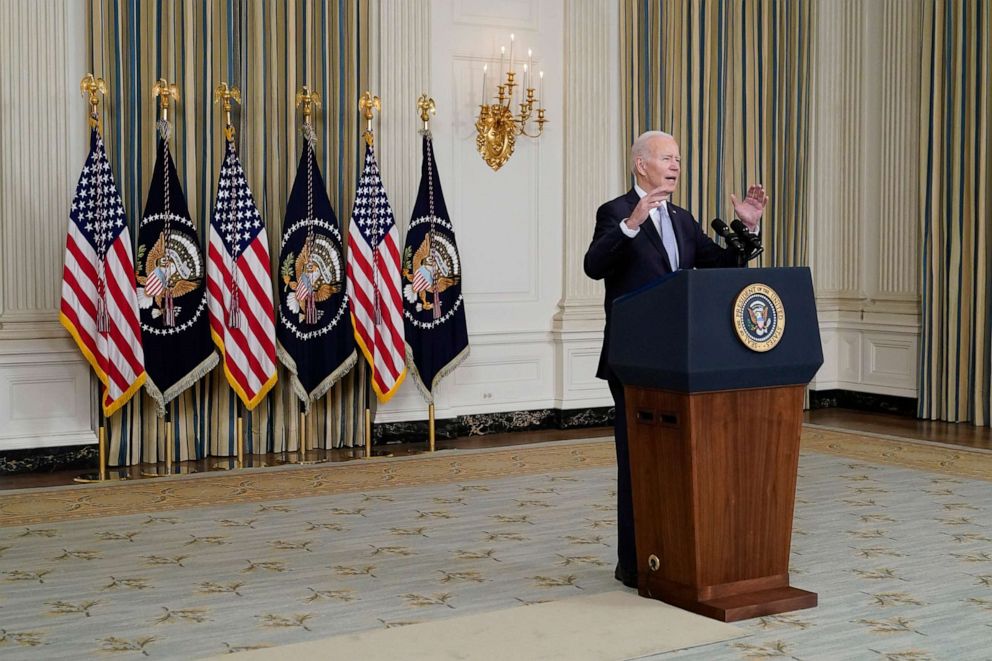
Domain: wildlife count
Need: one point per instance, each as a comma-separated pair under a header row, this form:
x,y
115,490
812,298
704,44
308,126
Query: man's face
x,y
660,166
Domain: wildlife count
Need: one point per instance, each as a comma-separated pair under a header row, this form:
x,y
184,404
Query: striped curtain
x,y
269,50
956,347
731,80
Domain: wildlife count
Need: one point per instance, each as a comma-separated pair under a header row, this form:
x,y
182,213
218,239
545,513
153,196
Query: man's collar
x,y
641,193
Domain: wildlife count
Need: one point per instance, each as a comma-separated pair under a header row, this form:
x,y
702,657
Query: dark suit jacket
x,y
628,264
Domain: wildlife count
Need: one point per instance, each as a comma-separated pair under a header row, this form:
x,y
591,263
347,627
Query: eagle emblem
x,y
432,269
313,277
758,313
759,317
171,271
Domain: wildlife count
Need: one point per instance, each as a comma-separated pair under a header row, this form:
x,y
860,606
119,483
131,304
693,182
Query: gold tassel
x,y
311,309
170,309
102,316
234,317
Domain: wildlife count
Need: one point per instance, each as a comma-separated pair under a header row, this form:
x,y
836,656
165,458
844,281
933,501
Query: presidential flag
x,y
374,281
433,307
175,330
315,343
239,287
99,303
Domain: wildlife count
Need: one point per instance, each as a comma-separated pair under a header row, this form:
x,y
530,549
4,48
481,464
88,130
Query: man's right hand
x,y
641,212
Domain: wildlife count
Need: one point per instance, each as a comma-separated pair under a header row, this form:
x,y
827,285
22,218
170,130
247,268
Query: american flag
x,y
99,301
239,287
374,281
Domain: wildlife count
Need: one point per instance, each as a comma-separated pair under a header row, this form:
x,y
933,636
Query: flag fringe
x,y
197,373
115,405
308,398
428,393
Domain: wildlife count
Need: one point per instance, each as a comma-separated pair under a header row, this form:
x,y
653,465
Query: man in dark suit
x,y
640,236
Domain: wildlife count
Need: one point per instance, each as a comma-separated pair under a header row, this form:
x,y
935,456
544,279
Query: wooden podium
x,y
713,435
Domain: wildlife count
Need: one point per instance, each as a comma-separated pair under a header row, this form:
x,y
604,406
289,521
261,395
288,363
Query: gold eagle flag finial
x,y
91,85
308,101
426,106
224,94
366,105
166,92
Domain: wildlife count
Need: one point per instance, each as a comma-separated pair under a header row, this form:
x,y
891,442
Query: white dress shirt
x,y
663,224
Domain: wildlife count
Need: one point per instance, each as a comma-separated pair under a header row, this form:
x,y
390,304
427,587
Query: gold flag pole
x,y
368,103
91,87
307,100
430,426
224,95
166,93
427,107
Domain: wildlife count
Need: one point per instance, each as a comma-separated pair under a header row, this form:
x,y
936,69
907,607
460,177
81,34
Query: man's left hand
x,y
749,209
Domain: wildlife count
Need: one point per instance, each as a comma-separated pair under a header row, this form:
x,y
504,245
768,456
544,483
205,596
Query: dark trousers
x,y
626,548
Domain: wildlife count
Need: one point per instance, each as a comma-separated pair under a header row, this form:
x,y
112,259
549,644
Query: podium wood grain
x,y
714,481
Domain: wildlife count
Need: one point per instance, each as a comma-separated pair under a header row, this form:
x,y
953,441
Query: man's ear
x,y
639,165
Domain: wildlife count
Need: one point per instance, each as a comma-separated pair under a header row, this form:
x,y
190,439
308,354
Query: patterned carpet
x,y
895,536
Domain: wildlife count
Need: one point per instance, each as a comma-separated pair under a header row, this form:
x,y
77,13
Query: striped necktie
x,y
668,236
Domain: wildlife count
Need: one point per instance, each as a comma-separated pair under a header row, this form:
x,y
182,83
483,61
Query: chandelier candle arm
x,y
529,67
485,68
510,70
500,122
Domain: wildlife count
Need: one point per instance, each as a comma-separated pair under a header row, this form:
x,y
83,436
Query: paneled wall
x,y
522,230
44,382
864,216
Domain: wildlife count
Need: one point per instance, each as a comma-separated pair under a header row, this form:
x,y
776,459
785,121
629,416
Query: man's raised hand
x,y
749,209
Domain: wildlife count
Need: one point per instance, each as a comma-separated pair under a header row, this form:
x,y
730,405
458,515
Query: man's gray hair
x,y
640,147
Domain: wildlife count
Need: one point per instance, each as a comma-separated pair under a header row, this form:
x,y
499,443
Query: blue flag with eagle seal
x,y
171,273
315,340
433,306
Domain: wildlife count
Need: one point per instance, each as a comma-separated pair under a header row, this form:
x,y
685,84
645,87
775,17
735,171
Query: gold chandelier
x,y
497,127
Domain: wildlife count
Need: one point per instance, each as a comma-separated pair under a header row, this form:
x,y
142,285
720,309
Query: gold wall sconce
x,y
497,127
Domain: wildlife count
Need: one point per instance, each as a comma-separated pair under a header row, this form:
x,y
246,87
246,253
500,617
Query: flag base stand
x,y
106,476
241,460
378,454
305,457
167,471
233,463
430,435
369,452
171,467
102,474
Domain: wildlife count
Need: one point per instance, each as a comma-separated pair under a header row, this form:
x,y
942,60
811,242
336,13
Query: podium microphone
x,y
733,241
751,242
